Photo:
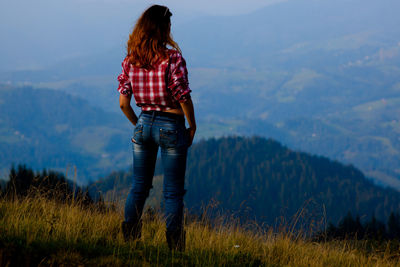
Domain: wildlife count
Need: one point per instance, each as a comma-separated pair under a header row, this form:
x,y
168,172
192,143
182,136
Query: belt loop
x,y
153,115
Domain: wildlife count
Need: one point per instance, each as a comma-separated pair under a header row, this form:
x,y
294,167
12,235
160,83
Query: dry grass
x,y
38,231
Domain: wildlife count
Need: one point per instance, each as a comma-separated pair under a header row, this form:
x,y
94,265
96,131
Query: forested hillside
x,y
260,179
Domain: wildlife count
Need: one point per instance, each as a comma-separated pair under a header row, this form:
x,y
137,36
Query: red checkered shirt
x,y
160,88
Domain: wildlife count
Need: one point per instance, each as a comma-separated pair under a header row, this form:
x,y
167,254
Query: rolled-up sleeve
x,y
124,87
178,82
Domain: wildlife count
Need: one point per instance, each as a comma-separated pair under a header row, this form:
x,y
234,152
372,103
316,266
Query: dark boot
x,y
176,240
131,231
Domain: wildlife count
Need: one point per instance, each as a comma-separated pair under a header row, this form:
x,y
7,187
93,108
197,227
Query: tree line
x,y
352,228
24,182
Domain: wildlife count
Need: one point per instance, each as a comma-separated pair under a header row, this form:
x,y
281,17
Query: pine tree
x,y
375,229
20,181
394,226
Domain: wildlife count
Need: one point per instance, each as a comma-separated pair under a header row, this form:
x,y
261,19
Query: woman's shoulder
x,y
126,64
174,53
175,57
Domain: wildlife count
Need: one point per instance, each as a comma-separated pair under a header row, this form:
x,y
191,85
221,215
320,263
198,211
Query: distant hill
x,y
258,178
54,130
323,74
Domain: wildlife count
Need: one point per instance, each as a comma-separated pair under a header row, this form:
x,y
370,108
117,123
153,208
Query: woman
x,y
158,79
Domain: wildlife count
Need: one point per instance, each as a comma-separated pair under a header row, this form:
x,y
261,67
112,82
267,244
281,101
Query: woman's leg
x,y
173,153
174,162
143,171
144,159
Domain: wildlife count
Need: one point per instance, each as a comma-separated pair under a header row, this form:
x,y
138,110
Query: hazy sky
x,y
219,7
35,33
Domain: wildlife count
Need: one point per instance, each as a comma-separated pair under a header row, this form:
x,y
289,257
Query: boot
x,y
131,231
176,240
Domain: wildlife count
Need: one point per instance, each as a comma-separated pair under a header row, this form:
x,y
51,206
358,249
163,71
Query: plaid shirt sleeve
x,y
125,87
178,82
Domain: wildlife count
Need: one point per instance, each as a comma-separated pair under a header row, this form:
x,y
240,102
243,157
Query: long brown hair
x,y
149,39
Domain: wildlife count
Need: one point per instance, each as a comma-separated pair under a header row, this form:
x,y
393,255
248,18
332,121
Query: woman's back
x,y
159,88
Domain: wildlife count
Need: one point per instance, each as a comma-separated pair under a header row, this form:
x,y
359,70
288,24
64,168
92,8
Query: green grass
x,y
36,231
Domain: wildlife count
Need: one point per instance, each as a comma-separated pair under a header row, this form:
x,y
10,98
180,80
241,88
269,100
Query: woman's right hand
x,y
191,131
188,110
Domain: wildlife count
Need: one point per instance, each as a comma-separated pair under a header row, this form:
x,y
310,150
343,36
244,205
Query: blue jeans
x,y
168,132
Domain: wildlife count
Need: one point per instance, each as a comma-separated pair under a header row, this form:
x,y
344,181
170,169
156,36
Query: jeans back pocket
x,y
138,134
171,138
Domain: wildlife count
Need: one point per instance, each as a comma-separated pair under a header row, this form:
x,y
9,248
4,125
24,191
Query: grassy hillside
x,y
40,231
